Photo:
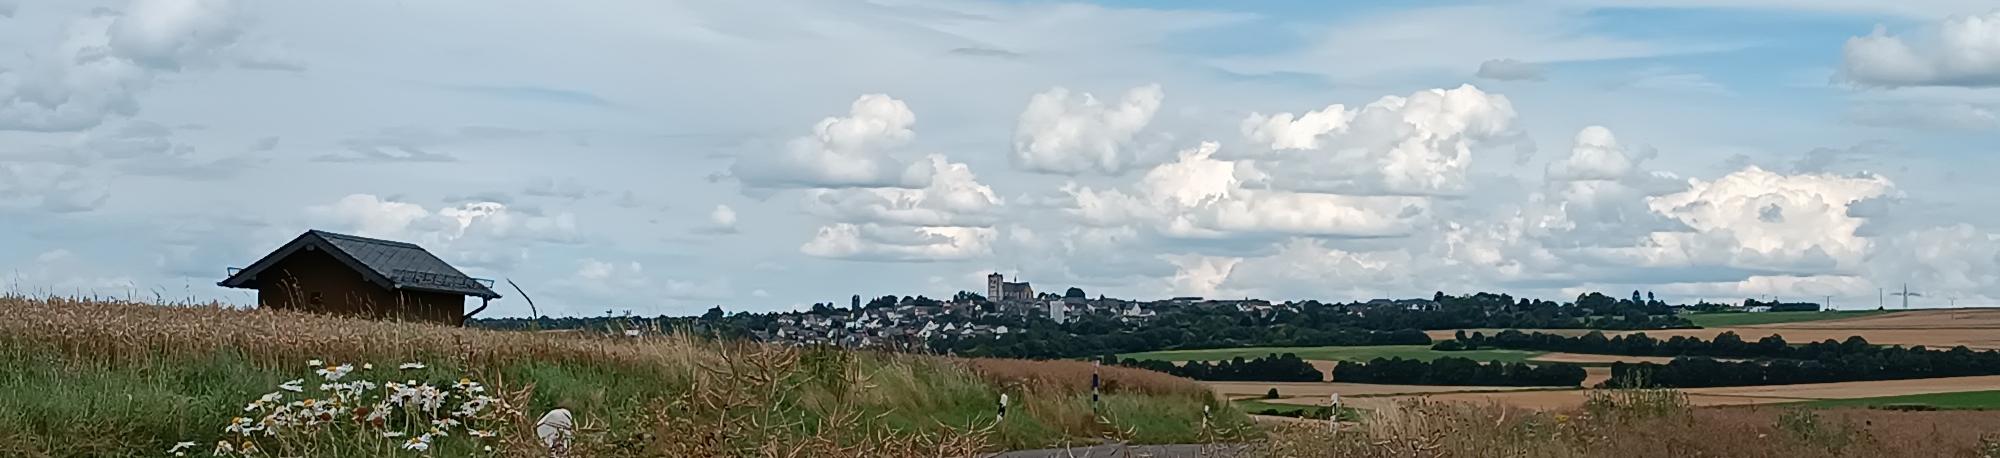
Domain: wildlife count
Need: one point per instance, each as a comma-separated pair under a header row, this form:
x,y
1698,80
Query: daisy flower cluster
x,y
413,415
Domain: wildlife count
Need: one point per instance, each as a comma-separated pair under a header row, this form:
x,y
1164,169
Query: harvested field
x,y
1722,396
1593,375
1851,390
1983,318
1941,338
1556,399
1319,391
1942,328
1324,367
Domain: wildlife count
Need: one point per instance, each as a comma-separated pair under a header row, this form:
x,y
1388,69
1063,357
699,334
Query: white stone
x,y
555,429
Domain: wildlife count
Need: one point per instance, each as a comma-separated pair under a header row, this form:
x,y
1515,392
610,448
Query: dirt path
x,y
1132,451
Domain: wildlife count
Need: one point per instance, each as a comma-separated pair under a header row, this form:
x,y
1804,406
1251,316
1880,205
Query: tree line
x,y
1891,363
1271,368
1768,361
1049,341
1725,345
1457,371
1302,324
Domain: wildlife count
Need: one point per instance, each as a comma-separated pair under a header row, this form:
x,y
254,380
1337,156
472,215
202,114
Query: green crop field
x,y
1423,352
1727,319
1947,401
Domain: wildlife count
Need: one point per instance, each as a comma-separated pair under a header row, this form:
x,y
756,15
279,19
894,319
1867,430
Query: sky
x,y
663,157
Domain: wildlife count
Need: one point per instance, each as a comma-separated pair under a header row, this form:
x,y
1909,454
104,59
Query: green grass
x,y
1968,400
1422,352
1727,319
113,410
93,409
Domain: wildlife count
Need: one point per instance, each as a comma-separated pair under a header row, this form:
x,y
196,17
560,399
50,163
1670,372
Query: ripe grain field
x,y
112,378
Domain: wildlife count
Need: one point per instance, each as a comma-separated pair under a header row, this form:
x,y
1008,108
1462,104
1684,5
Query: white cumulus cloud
x,y
612,284
1070,133
168,34
874,242
1199,196
104,61
1416,145
1755,218
1962,50
954,198
1957,260
50,187
722,220
852,151
1597,156
483,234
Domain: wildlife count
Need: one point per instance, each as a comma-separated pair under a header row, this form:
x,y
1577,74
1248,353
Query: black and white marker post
x,y
1333,417
1003,408
1094,378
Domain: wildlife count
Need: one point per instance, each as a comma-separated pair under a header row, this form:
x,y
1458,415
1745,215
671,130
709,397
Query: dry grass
x,y
1074,377
95,378
1417,428
124,333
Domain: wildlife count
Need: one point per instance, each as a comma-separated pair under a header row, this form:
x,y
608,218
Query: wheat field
x,y
117,378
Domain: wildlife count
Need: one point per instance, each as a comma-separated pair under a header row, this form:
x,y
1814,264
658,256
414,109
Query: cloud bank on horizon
x,y
766,157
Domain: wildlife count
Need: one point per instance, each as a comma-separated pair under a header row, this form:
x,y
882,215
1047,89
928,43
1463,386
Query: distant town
x,y
1013,319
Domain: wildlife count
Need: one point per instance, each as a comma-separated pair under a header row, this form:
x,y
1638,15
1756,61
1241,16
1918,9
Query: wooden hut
x,y
324,272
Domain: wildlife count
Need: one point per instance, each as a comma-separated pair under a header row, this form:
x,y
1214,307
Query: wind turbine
x,y
1906,294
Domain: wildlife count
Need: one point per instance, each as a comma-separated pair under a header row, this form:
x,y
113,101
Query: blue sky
x,y
663,157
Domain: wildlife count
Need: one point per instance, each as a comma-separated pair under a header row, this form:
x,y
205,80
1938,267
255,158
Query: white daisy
x,y
419,443
334,373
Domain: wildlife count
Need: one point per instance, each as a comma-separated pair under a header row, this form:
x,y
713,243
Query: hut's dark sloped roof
x,y
391,264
